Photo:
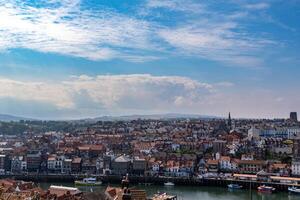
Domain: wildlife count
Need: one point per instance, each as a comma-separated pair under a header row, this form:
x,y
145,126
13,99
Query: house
x,y
219,146
67,166
139,166
295,168
121,165
34,160
202,166
172,168
251,166
88,166
5,163
18,164
280,168
212,165
225,163
186,169
55,163
76,165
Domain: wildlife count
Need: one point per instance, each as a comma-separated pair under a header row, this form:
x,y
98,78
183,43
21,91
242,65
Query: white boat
x,y
88,182
266,189
294,190
234,186
169,184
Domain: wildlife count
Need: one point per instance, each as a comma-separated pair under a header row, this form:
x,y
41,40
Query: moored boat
x,y
266,189
234,186
88,182
294,190
169,184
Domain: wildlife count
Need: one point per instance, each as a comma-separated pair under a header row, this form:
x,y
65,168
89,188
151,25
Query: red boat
x,y
266,189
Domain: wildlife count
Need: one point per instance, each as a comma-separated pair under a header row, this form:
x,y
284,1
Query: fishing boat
x,y
294,190
169,184
234,186
266,189
88,182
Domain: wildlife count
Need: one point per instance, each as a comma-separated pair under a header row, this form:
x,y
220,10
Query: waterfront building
x,y
212,165
18,164
295,167
52,164
76,165
67,166
121,165
139,166
225,163
34,161
251,166
5,163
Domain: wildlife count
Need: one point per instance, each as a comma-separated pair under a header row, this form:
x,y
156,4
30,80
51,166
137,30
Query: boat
x,y
169,184
88,182
294,190
234,186
266,189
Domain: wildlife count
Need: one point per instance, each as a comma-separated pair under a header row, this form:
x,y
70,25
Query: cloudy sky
x,y
63,59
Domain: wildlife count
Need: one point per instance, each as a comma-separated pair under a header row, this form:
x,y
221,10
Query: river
x,y
196,192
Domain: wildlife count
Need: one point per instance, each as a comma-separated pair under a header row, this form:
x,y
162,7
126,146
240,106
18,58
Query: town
x,y
181,148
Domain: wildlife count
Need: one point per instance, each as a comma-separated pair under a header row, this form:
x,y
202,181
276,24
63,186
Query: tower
x,y
229,123
293,116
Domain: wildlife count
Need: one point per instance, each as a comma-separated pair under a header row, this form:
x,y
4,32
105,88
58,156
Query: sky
x,y
70,59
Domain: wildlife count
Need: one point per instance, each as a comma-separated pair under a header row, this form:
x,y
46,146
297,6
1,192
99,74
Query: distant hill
x,y
8,118
154,116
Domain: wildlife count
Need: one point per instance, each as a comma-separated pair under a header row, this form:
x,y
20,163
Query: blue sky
x,y
78,58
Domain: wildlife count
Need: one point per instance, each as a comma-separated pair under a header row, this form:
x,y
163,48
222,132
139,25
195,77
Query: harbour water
x,y
195,192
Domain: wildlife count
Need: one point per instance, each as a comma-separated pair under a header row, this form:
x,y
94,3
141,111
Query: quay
x,y
180,181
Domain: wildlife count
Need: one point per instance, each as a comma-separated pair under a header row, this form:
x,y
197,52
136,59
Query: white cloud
x,y
136,91
177,5
217,41
86,96
257,6
67,29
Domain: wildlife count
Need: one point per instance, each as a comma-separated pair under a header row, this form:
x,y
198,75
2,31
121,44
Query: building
x,y
18,164
139,166
295,167
76,165
219,146
121,165
251,166
225,164
296,148
34,161
56,164
5,163
212,165
293,132
267,133
293,116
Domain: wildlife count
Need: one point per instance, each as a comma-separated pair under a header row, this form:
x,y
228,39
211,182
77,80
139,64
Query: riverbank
x,y
114,179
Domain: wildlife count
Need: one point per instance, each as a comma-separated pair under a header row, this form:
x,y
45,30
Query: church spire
x,y
229,122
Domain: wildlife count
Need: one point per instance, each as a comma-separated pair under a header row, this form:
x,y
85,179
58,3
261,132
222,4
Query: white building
x,y
257,133
55,163
293,132
225,163
295,168
18,164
